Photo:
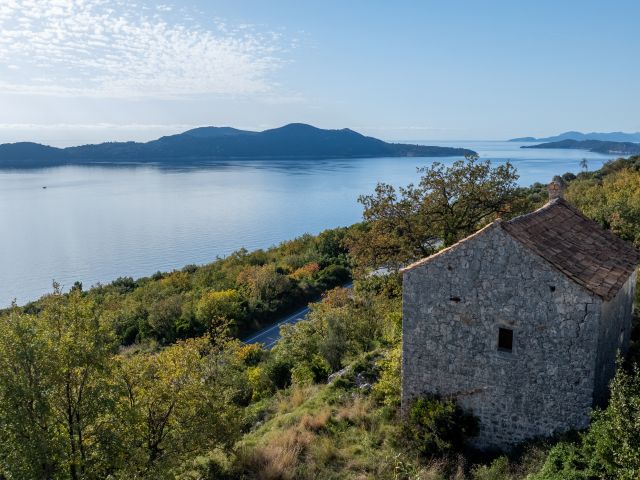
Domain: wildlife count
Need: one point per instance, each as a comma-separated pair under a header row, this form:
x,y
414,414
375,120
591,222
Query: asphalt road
x,y
270,335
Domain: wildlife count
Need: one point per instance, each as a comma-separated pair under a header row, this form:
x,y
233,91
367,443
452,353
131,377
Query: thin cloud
x,y
101,48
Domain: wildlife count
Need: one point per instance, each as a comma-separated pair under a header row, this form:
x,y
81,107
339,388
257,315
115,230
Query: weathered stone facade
x,y
614,335
564,338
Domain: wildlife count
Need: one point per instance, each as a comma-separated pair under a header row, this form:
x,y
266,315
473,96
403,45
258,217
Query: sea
x,y
93,224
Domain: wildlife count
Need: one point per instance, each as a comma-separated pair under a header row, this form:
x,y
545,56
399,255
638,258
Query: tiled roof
x,y
577,246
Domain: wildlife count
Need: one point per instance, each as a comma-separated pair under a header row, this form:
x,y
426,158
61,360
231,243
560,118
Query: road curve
x,y
270,335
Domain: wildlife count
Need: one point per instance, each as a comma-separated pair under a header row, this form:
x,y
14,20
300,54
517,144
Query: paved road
x,y
269,336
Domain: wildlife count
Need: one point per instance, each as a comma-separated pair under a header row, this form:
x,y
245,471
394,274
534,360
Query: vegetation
x,y
145,379
448,203
238,294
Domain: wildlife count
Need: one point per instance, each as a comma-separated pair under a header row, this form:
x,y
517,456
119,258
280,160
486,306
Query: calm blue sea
x,y
94,224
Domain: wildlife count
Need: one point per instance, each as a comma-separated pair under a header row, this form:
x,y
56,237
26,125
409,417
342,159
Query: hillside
x,y
597,146
295,141
603,137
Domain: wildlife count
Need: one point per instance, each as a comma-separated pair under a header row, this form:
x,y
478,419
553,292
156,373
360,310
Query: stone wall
x,y
615,330
454,305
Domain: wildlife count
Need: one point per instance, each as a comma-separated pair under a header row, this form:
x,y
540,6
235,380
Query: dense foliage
x,y
448,203
241,292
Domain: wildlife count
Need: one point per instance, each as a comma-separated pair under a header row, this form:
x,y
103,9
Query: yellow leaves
x,y
265,283
217,308
614,202
306,272
177,281
249,354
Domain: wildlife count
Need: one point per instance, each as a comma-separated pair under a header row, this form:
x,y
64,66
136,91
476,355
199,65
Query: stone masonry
x,y
565,337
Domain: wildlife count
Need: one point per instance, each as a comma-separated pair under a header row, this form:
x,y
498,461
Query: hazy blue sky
x,y
94,70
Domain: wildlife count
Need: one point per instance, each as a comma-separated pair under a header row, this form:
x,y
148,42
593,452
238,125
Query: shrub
x,y
387,389
259,382
498,470
319,368
250,354
437,427
611,446
279,373
301,375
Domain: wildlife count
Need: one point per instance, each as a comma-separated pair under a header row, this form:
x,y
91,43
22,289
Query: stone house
x,y
520,322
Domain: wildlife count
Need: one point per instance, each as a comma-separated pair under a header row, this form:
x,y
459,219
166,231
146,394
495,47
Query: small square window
x,y
505,339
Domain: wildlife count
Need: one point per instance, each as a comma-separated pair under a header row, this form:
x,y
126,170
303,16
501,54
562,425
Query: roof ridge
x,y
564,203
450,248
577,246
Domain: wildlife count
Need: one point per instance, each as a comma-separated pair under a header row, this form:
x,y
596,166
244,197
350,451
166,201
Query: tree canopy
x,y
447,204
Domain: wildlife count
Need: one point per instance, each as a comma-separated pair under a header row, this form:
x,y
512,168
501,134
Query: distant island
x,y
603,137
597,146
293,141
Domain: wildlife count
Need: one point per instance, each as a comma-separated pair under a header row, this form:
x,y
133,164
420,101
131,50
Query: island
x,y
200,145
573,135
597,146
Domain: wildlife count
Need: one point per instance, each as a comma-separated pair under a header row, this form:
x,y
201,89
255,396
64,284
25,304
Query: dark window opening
x,y
505,339
455,299
552,288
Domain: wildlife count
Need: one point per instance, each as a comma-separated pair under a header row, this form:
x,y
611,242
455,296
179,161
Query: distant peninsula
x,y
597,146
603,137
205,144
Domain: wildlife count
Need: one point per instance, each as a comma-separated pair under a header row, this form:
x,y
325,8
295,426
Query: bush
x,y
279,373
498,470
301,375
333,275
320,369
611,446
438,427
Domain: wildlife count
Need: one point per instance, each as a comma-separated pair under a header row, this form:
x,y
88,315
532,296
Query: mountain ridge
x,y
294,140
579,136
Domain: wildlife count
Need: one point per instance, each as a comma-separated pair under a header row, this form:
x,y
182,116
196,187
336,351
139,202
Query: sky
x,y
86,71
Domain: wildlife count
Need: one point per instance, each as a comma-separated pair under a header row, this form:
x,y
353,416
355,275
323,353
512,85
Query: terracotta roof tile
x,y
577,246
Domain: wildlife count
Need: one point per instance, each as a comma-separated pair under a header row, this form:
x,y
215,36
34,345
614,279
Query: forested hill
x,y
295,140
603,137
617,148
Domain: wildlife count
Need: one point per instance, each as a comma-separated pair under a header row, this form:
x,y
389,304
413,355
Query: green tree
x,y
448,203
584,165
265,284
176,406
217,310
55,388
613,201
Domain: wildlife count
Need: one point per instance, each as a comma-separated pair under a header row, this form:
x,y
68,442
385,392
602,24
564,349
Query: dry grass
x,y
278,459
356,412
316,422
292,399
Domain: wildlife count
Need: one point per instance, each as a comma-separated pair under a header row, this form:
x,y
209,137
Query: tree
x,y
447,204
216,310
614,202
54,387
584,165
265,284
176,406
